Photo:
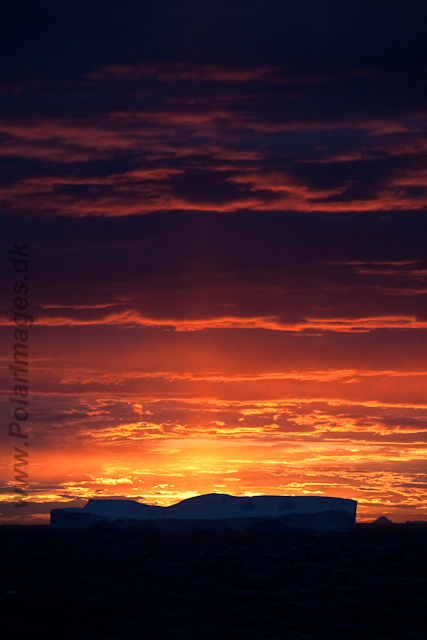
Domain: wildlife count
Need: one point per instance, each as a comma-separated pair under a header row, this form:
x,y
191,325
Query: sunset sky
x,y
224,204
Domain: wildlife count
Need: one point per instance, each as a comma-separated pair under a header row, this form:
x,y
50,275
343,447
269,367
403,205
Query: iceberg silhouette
x,y
212,512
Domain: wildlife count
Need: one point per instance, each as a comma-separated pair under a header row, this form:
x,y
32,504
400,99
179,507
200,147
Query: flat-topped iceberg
x,y
213,512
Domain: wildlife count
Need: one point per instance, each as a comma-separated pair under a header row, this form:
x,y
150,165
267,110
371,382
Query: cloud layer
x,y
226,235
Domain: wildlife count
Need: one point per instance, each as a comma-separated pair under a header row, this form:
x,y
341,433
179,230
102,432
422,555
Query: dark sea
x,y
369,583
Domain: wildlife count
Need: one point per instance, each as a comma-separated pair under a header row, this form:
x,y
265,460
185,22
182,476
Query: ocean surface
x,y
370,583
